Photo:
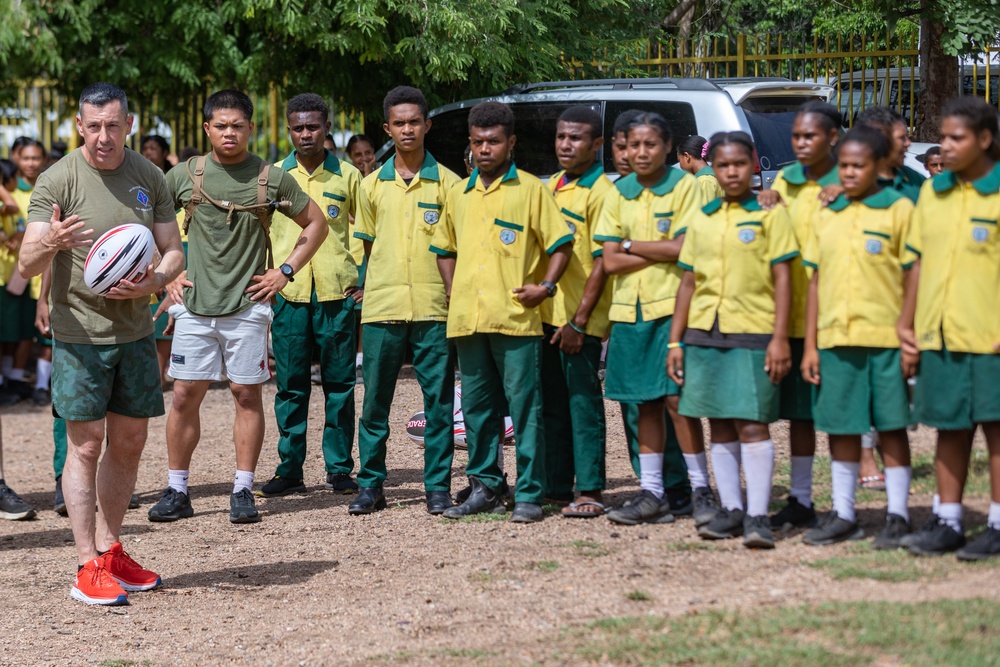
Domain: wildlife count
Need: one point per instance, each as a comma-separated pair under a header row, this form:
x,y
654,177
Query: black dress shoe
x,y
526,513
438,502
368,501
482,499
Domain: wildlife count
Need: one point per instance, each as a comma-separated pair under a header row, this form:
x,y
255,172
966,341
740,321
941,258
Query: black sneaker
x,y
505,492
831,530
932,521
13,392
705,506
757,532
133,502
242,508
680,502
936,540
59,503
12,507
41,396
643,508
987,545
341,482
895,529
725,525
794,515
172,506
280,486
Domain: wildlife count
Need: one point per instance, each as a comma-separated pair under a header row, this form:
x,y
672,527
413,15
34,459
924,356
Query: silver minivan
x,y
765,108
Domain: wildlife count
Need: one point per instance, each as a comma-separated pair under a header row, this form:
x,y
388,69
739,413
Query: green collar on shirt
x,y
330,162
428,169
985,185
630,188
23,185
749,204
795,174
511,175
884,198
706,171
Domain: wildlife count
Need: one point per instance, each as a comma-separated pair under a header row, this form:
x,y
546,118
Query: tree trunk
x,y
939,78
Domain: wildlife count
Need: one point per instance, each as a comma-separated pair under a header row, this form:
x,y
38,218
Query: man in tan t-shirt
x,y
105,377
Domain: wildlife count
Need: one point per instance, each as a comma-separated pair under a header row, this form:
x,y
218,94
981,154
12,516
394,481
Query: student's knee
x,y
248,397
752,431
187,396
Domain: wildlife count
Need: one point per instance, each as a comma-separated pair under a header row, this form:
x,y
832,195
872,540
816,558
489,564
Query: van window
x,y
535,127
679,115
447,139
772,135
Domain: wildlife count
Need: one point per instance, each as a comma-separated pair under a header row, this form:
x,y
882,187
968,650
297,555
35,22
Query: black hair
x,y
19,143
652,119
693,145
357,139
585,115
32,143
491,114
228,99
158,140
8,171
933,150
404,95
879,117
828,115
101,94
623,120
307,102
868,136
58,149
977,115
187,153
726,138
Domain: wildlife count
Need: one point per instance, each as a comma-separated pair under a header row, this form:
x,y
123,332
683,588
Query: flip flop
x,y
872,482
575,510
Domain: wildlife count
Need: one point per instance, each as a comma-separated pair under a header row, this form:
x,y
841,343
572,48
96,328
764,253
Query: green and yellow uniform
x,y
499,236
801,196
905,181
313,313
575,432
731,249
958,306
708,184
17,312
859,250
404,308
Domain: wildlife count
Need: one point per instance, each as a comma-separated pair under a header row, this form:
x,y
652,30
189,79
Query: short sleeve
x,y
165,211
364,219
42,198
354,188
609,227
810,251
902,214
595,206
691,197
288,189
686,259
912,241
551,228
781,244
444,242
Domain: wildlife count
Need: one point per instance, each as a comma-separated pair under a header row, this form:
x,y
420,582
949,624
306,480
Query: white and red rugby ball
x,y
122,253
417,425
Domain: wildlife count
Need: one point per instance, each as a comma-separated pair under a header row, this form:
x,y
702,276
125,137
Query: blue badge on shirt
x,y
143,198
333,211
507,236
431,217
572,227
663,225
980,234
873,246
747,235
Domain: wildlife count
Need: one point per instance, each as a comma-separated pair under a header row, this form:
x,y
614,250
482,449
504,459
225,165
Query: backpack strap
x,y
264,212
197,181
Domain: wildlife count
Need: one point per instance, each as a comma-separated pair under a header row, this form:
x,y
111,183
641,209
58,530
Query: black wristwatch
x,y
550,287
288,272
627,246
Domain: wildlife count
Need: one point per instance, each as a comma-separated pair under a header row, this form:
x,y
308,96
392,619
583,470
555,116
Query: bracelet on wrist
x,y
674,346
576,328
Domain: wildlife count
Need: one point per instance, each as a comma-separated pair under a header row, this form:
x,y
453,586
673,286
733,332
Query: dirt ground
x,y
311,585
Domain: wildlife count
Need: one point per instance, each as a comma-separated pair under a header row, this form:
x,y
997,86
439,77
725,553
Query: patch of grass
x,y
486,517
965,632
639,596
863,562
123,662
482,577
690,546
544,565
588,548
470,653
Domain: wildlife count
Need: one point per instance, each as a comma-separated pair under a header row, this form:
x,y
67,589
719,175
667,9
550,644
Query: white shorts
x,y
216,348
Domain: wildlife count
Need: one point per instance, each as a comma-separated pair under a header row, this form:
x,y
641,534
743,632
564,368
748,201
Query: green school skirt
x,y
860,387
637,362
957,390
728,383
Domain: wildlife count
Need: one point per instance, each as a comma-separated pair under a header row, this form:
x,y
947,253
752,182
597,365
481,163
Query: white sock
x,y
604,351
244,480
802,480
993,518
500,454
6,364
897,490
358,359
42,374
869,439
951,514
697,465
758,468
726,463
15,374
935,504
178,480
651,473
845,483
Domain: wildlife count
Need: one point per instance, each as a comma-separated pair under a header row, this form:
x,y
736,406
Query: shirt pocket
x,y
981,237
429,214
663,224
749,237
333,205
507,238
874,247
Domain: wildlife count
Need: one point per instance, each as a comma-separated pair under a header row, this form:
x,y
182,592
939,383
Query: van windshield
x,y
772,135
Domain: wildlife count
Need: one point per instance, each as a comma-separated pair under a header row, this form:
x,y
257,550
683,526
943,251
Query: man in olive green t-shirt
x,y
105,378
221,305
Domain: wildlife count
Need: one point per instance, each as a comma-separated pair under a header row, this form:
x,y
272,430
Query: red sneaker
x,y
95,585
127,572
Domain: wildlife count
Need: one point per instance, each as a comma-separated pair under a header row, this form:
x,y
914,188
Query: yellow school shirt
x,y
659,213
334,186
402,281
22,196
708,184
801,196
859,249
580,202
499,236
8,259
731,248
955,231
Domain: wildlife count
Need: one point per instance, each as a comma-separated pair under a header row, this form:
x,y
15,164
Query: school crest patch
x,y
980,234
663,225
747,235
332,210
873,246
431,217
507,236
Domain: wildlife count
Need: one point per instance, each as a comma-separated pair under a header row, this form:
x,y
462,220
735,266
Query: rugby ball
x,y
417,424
123,253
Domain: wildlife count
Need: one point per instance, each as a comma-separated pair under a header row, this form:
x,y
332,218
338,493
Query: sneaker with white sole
x,y
95,585
129,574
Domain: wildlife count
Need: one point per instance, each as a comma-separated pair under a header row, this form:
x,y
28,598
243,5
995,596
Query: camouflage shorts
x,y
89,381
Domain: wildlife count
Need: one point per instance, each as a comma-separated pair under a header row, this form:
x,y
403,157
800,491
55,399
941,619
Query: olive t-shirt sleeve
x,y
42,198
289,189
163,209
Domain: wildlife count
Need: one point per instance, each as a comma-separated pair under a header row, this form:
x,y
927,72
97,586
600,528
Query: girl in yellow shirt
x,y
691,158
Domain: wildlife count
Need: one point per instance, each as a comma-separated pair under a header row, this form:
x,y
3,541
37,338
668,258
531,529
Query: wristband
x,y
577,329
674,346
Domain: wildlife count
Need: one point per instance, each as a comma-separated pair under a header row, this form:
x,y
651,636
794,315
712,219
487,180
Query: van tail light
x,y
756,162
